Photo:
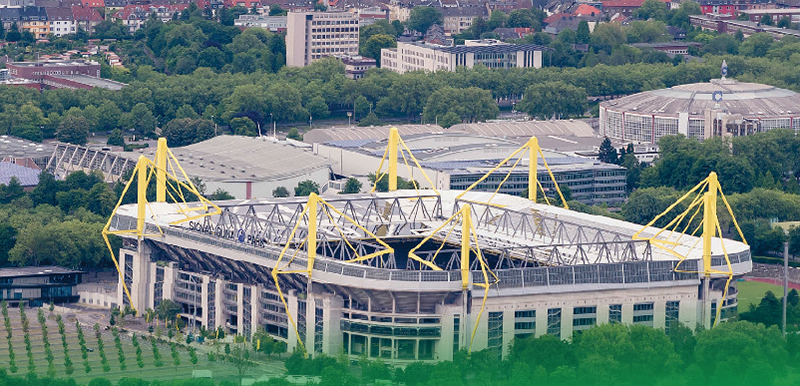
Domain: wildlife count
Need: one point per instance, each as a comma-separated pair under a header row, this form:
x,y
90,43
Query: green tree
x,y
244,126
280,192
351,186
140,119
757,45
373,46
220,195
318,108
306,187
423,17
370,120
583,33
116,138
73,130
294,134
553,99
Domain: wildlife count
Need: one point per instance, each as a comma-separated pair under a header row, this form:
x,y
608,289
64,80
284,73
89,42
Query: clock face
x,y
717,95
724,71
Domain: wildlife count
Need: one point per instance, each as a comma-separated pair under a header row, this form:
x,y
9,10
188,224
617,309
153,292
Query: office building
x,y
311,36
488,52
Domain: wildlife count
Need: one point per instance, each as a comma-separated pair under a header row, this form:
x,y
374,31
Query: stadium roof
x,y
238,158
25,176
22,148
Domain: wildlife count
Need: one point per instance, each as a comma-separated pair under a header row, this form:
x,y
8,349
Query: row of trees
x,y
734,353
225,100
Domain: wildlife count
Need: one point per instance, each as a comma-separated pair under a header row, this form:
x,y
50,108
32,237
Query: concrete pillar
x,y
566,322
659,314
627,313
602,313
255,308
239,309
331,327
508,331
291,301
541,321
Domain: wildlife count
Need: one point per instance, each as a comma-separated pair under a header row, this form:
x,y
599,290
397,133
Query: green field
x,y
751,292
221,370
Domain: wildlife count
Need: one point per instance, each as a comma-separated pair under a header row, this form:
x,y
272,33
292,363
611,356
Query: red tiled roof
x,y
94,3
85,14
552,18
627,3
586,9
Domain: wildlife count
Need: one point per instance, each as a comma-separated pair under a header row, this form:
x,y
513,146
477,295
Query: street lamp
x,y
421,119
310,119
349,115
274,131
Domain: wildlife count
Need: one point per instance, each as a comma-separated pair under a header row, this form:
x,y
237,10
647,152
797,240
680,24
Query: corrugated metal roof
x,y
239,158
25,176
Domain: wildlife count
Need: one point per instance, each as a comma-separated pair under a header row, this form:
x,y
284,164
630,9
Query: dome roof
x,y
746,99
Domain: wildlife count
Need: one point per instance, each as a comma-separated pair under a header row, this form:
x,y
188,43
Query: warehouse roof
x,y
239,158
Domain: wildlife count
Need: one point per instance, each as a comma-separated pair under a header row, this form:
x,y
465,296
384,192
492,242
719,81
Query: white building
x,y
271,23
431,57
311,36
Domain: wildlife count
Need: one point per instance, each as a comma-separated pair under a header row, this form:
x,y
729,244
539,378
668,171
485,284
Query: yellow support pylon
x,y
394,147
310,241
166,168
469,235
705,199
534,152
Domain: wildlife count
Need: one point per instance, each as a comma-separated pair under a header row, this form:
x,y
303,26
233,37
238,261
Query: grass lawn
x,y
751,292
221,370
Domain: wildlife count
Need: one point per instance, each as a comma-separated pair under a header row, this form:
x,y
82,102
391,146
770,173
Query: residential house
x,y
61,21
34,20
458,20
85,18
9,16
134,16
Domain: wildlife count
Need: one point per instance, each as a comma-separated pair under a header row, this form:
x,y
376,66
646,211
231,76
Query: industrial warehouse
x,y
411,275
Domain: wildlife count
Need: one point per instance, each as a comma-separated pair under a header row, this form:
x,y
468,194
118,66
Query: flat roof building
x,y
311,36
431,57
455,160
248,167
272,23
70,74
35,286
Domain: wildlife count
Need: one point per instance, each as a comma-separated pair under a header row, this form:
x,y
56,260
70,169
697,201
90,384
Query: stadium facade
x,y
558,272
719,108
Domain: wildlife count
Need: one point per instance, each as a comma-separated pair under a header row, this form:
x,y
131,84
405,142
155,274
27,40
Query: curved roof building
x,y
721,107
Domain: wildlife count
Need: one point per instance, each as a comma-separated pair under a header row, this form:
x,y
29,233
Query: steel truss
x,y
271,223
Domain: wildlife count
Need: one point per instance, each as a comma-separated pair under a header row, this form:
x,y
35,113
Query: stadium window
x,y
524,323
456,332
671,315
615,313
584,318
554,322
643,314
496,333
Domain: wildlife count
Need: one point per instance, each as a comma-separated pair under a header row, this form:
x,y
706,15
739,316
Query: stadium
x,y
719,108
411,275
